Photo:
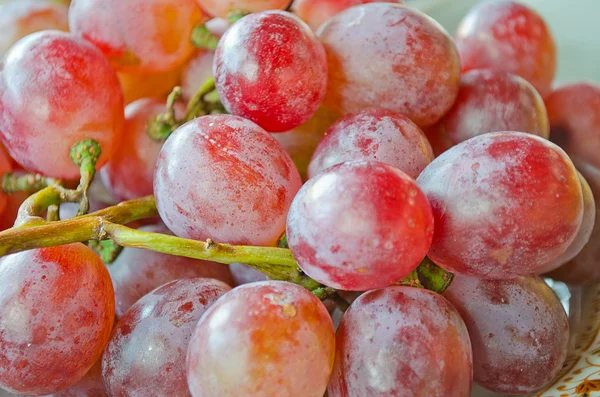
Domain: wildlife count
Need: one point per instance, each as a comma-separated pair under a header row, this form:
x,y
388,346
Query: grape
x,y
243,274
493,101
148,85
223,177
146,355
56,315
359,225
518,328
18,18
390,56
585,267
585,231
136,272
271,68
505,204
508,36
196,73
401,341
220,8
5,166
91,385
264,339
374,134
9,214
138,35
130,172
575,120
315,12
56,91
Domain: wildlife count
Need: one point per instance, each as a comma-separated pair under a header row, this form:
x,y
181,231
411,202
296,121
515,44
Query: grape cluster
x,y
402,190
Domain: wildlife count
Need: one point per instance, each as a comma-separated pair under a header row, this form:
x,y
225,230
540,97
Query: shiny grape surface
x,y
390,56
491,101
504,203
359,225
223,177
277,338
374,134
220,8
56,315
197,71
146,354
508,36
402,341
91,385
130,172
243,274
138,35
56,90
136,272
518,328
270,68
18,18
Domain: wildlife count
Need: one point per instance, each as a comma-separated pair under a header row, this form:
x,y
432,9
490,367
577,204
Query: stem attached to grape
x,y
204,38
85,154
29,183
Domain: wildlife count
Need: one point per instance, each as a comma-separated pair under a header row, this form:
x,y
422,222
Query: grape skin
x,y
270,68
374,134
505,204
148,85
220,8
197,71
146,355
518,328
56,315
223,177
5,166
91,385
359,225
402,341
508,36
243,274
391,56
56,90
277,338
136,272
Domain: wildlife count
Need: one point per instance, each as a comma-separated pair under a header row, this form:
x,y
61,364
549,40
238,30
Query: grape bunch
x,y
294,198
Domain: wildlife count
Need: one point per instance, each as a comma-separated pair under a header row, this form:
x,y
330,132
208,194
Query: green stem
x,y
53,213
85,154
29,183
236,15
197,106
108,250
204,38
164,124
433,277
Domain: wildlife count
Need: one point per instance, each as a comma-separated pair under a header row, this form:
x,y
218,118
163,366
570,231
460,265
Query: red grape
x,y
57,90
243,274
315,12
263,339
5,166
130,172
18,18
56,315
508,36
138,35
374,134
401,341
518,328
136,272
575,120
271,68
493,101
359,225
390,56
196,73
91,385
505,204
220,8
146,355
148,85
223,177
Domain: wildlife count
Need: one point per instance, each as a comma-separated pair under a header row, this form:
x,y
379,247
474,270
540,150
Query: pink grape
x,y
491,101
225,178
390,56
5,166
146,355
315,12
374,134
271,68
56,315
136,272
401,341
220,8
57,90
518,328
148,85
508,36
91,385
264,339
138,35
359,225
504,203
18,18
130,172
196,73
243,274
